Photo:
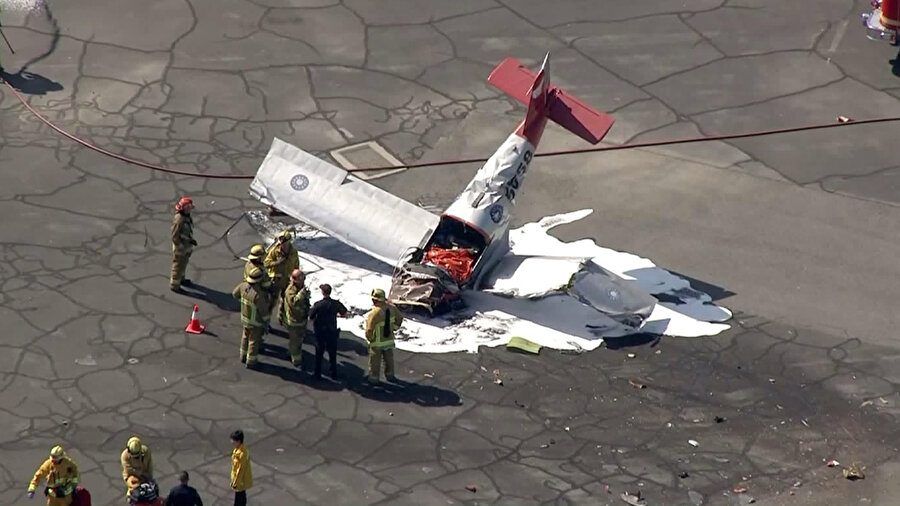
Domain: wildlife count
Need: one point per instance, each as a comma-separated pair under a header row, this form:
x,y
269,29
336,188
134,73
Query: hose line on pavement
x,y
842,122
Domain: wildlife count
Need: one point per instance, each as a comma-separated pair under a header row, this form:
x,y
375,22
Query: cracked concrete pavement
x,y
797,234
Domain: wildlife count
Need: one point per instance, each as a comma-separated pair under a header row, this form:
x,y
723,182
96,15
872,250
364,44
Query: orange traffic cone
x,y
195,327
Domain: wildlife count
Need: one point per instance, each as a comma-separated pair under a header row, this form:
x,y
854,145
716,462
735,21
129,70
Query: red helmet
x,y
183,202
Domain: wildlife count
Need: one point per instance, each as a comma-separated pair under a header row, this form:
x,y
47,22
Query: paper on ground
x,y
491,319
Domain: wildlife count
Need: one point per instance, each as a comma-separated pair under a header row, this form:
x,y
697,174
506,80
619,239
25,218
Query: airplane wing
x,y
343,206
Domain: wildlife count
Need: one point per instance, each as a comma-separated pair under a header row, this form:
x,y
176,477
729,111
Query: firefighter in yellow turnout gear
x,y
280,262
137,463
256,305
381,323
295,303
61,473
182,242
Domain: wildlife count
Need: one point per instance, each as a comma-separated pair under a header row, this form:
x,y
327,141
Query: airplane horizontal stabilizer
x,y
514,79
577,117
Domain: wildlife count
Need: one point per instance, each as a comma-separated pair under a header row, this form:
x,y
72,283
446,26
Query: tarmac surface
x,y
797,234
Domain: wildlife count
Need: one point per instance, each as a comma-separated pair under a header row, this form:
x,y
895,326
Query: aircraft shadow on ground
x,y
30,83
353,378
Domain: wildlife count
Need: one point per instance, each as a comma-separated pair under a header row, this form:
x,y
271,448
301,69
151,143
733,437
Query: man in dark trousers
x,y
324,317
183,495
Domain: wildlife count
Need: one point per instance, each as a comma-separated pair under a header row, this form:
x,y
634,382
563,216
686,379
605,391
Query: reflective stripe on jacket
x,y
62,474
279,264
379,329
255,305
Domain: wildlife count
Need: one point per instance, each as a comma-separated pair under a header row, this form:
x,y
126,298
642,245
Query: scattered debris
x,y
428,375
771,380
832,463
746,499
631,355
883,400
866,403
719,419
697,420
797,484
545,445
657,352
391,413
843,119
498,381
739,490
483,368
669,425
65,422
471,488
606,489
279,450
636,384
804,422
633,499
88,360
522,344
519,404
683,475
695,497
854,472
133,360
693,443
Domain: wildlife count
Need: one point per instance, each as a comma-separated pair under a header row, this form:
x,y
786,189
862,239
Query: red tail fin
x,y
564,109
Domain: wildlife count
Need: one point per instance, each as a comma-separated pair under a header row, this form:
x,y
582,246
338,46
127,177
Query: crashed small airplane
x,y
435,258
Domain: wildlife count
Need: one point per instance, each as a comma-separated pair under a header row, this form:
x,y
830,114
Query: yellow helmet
x,y
57,452
286,234
378,294
256,274
256,252
134,445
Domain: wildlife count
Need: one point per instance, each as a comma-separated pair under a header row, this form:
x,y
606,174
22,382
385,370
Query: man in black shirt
x,y
324,318
183,495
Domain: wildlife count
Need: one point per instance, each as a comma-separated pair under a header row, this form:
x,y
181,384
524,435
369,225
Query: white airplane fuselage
x,y
486,205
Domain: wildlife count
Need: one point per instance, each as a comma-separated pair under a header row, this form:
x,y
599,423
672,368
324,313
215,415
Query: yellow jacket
x,y
379,335
279,264
241,471
137,465
63,474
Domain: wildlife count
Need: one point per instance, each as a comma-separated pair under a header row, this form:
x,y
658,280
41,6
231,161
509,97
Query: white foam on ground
x,y
555,321
21,5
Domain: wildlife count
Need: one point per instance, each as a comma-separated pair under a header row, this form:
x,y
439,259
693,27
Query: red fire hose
x,y
636,145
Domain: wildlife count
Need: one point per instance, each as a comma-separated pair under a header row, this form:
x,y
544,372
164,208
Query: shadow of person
x,y
289,373
355,378
30,83
221,300
352,343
